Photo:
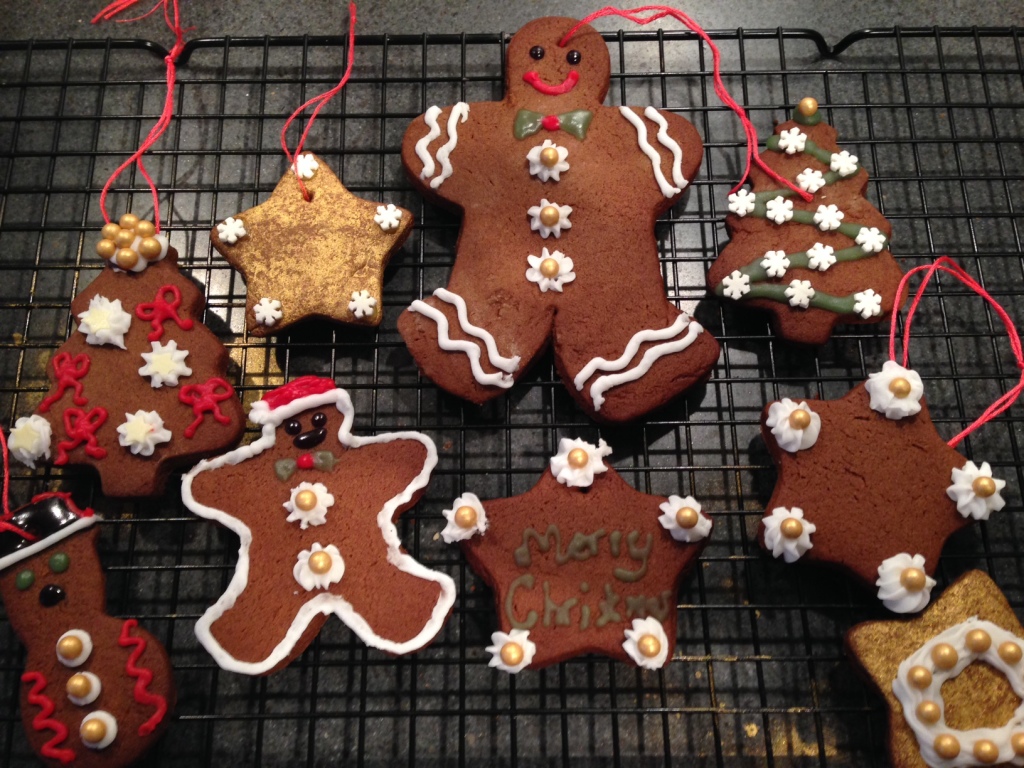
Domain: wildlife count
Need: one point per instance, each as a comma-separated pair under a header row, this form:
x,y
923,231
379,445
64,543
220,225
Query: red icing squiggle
x,y
43,721
160,310
69,372
143,677
204,398
81,427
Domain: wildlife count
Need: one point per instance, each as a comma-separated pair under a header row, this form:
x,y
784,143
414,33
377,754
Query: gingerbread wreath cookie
x,y
953,678
97,691
318,257
559,196
810,264
140,387
581,563
315,507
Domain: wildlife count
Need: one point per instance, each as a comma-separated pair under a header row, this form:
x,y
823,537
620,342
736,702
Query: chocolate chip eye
x,y
537,52
573,57
319,420
293,427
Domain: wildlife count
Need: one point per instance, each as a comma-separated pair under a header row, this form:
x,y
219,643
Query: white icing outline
x,y
108,720
508,365
652,154
38,546
96,688
671,144
322,603
81,658
460,110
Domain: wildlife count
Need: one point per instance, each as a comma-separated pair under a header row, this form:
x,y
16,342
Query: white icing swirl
x,y
790,549
308,579
891,591
969,503
788,437
670,522
884,400
317,515
544,172
583,476
640,628
104,322
30,439
453,531
520,637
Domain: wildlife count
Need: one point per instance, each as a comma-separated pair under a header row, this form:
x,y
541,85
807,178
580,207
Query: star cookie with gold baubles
x,y
581,563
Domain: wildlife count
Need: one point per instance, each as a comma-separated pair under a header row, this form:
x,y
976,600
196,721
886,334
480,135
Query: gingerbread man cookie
x,y
559,196
581,563
315,507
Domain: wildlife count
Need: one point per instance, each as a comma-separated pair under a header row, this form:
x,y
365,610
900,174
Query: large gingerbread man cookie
x,y
315,507
559,196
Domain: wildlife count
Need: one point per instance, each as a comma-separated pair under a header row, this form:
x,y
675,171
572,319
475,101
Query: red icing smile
x,y
552,90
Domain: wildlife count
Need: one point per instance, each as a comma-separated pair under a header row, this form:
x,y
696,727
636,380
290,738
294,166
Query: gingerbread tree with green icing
x,y
810,264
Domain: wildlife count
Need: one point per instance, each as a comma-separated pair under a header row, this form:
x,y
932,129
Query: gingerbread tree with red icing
x,y
140,388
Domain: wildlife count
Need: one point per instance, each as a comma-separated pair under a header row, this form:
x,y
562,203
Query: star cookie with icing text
x,y
581,563
312,257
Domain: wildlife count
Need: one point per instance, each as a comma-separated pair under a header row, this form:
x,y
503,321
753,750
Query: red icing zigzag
x,y
43,721
143,677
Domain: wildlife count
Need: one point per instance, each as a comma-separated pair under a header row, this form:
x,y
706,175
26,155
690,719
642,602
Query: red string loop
x,y
320,102
160,127
660,12
947,265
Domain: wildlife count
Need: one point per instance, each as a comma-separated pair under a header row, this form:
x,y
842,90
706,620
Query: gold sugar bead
x,y
649,646
106,248
320,562
549,268
986,751
549,157
687,517
578,458
549,215
978,640
913,579
919,677
929,712
124,238
808,106
126,258
465,517
305,500
983,487
93,731
792,528
512,654
1010,652
145,228
129,221
70,647
947,746
1017,742
945,656
900,387
800,419
150,248
109,231
79,686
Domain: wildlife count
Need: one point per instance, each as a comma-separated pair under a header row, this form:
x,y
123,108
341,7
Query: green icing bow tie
x,y
576,123
322,460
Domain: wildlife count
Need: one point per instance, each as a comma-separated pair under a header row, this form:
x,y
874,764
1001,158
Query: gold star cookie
x,y
323,257
952,678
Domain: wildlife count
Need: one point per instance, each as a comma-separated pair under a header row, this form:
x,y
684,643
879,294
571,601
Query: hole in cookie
x,y
979,697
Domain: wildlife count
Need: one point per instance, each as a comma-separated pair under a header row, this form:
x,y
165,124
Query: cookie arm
x,y
430,150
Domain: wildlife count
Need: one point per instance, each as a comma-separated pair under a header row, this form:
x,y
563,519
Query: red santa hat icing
x,y
295,397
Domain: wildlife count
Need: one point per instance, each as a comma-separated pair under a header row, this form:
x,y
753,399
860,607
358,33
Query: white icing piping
x,y
641,136
507,364
460,110
430,118
667,141
48,541
324,603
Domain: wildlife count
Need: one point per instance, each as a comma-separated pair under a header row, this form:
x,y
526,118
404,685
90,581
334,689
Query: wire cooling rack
x,y
759,676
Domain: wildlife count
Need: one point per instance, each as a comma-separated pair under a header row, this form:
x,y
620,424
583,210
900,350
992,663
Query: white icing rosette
x,y
672,523
30,439
788,430
459,528
545,172
308,578
267,311
555,228
577,461
975,491
316,514
104,322
388,217
742,202
896,588
645,637
559,277
735,285
500,641
231,230
895,391
165,364
792,141
779,210
142,432
785,539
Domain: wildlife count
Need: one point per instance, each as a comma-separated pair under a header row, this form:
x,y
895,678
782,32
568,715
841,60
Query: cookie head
x,y
546,77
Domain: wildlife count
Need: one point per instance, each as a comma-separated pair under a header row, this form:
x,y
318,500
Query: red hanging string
x,y
174,24
946,264
660,12
320,101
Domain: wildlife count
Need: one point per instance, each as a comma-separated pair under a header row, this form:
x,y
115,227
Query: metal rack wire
x,y
759,676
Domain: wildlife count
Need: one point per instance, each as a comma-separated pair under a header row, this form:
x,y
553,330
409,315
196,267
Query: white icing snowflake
x,y
543,172
582,476
362,304
789,437
792,141
142,432
520,637
843,163
828,217
388,217
641,628
821,256
779,210
453,531
870,239
231,230
810,180
30,439
884,400
741,203
896,597
308,578
267,311
775,263
104,322
315,515
555,283
670,521
867,304
968,502
800,293
564,211
305,166
789,548
165,364
736,285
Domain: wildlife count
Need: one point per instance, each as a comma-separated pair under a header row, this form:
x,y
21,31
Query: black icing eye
x,y
51,595
574,57
537,52
293,427
319,420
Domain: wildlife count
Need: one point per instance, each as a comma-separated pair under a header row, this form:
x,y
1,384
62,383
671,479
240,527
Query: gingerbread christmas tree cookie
x,y
581,563
812,264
